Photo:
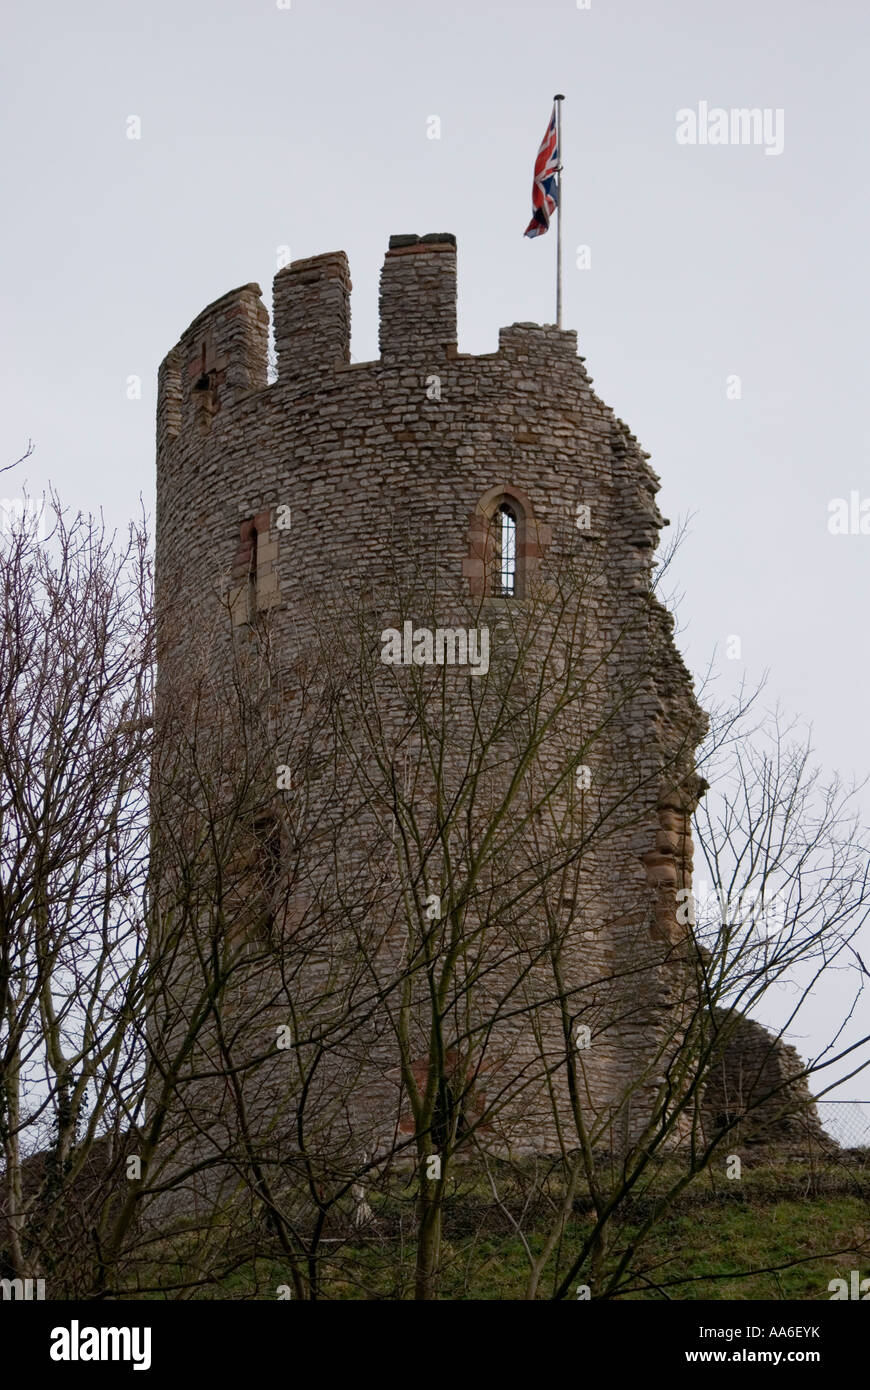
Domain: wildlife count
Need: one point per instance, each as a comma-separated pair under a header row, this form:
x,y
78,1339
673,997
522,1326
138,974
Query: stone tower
x,y
443,492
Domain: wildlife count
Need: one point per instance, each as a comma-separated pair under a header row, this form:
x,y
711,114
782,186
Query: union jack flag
x,y
545,190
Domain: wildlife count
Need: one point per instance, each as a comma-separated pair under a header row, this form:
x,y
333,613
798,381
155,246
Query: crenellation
x,y
418,301
311,306
219,359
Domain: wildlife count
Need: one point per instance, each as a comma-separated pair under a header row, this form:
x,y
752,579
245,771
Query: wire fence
x,y
846,1121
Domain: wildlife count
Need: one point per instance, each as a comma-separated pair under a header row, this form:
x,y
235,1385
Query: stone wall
x,y
757,1086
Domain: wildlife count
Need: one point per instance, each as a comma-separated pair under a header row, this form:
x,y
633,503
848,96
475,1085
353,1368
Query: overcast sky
x,y
308,127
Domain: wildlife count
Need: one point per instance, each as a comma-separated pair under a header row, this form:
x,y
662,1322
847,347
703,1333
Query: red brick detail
x,y
245,550
463,1079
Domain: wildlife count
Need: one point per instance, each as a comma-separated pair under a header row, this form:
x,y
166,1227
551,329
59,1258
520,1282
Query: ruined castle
x,y
509,835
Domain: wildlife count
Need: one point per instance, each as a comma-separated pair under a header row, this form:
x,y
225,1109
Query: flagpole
x,y
558,99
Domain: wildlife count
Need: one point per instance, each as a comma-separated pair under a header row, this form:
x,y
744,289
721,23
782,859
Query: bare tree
x,y
74,737
786,896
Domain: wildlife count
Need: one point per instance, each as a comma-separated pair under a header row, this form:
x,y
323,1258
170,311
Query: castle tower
x,y
434,492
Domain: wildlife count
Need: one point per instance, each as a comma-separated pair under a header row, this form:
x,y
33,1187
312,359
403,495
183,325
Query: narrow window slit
x,y
506,575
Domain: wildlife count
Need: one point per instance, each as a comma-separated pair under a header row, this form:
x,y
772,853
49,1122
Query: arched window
x,y
505,577
505,544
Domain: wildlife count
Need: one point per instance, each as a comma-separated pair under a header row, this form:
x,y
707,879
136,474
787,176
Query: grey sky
x,y
308,127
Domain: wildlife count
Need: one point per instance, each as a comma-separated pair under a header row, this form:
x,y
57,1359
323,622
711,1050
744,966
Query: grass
x,y
781,1232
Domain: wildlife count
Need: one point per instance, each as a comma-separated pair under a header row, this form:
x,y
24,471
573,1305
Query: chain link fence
x,y
846,1121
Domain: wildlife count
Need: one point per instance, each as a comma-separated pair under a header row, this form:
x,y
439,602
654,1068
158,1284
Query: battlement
x,y
311,300
418,299
222,356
